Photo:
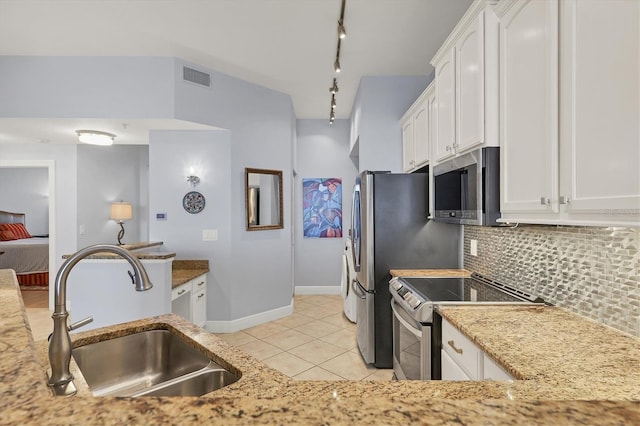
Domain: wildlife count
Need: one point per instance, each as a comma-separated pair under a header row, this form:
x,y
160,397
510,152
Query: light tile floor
x,y
316,342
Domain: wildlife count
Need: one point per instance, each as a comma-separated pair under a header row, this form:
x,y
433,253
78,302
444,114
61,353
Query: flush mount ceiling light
x,y
95,137
342,33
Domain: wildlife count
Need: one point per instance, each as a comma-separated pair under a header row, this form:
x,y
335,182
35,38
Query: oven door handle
x,y
403,322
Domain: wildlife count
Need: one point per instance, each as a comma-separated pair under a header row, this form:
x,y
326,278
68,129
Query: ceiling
x,y
285,45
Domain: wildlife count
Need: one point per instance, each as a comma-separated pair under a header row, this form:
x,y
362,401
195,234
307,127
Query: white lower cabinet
x,y
199,301
189,300
461,359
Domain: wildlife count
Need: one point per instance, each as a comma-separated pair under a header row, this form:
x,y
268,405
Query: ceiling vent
x,y
194,76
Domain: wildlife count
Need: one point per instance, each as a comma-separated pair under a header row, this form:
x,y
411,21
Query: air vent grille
x,y
195,76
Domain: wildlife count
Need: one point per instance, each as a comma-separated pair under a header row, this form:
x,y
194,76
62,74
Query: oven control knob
x,y
413,301
396,285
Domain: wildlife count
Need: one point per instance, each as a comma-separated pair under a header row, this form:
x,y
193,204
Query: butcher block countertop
x,y
439,273
567,379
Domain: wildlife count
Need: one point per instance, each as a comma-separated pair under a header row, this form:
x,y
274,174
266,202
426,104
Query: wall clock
x,y
193,202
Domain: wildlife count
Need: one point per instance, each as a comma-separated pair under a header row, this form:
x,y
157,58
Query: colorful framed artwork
x,y
322,207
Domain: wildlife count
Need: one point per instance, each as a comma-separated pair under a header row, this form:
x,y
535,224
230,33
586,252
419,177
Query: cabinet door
x,y
446,114
421,135
600,82
470,106
407,145
529,107
199,308
449,369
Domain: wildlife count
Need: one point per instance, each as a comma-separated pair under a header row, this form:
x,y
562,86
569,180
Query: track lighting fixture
x,y
334,88
342,33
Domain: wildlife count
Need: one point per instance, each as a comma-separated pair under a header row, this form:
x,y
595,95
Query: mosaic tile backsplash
x,y
592,271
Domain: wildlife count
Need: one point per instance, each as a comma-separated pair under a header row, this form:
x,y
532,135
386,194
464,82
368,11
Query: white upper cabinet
x,y
528,106
600,109
570,111
416,132
467,84
445,113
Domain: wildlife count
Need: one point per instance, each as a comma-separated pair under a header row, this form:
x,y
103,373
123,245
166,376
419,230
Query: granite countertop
x,y
262,395
144,255
186,270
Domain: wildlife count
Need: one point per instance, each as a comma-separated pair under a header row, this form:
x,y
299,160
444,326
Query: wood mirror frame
x,y
263,199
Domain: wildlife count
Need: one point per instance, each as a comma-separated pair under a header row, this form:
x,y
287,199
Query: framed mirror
x,y
263,195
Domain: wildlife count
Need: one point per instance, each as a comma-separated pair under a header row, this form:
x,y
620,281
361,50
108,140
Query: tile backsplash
x,y
593,271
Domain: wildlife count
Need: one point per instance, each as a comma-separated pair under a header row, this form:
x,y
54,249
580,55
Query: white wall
x,y
26,190
323,152
379,104
109,174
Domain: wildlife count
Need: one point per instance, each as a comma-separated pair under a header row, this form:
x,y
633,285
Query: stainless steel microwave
x,y
467,188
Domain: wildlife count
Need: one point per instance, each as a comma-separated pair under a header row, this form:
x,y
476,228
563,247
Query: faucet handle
x,y
132,276
75,325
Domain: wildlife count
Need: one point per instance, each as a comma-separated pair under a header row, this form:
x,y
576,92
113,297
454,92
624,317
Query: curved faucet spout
x,y
61,380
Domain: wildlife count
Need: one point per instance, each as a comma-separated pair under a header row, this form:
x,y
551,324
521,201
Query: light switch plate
x,y
209,234
474,247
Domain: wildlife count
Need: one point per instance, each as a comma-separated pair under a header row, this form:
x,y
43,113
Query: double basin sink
x,y
149,363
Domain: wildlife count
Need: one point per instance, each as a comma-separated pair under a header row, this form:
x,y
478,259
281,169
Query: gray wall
x,y
261,135
111,174
379,104
592,271
323,151
64,159
26,190
171,155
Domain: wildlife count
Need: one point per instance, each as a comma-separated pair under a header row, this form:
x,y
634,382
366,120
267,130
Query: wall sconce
x,y
121,212
95,137
192,178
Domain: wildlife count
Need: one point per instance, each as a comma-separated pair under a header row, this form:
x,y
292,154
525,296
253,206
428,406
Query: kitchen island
x,y
263,395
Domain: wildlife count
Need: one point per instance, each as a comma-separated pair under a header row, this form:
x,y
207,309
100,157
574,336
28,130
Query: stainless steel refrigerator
x,y
390,230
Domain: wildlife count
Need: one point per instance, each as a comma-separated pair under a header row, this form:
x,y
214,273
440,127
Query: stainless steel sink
x,y
154,362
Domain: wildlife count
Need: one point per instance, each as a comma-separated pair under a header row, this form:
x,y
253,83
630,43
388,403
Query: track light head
x,y
342,33
336,65
334,88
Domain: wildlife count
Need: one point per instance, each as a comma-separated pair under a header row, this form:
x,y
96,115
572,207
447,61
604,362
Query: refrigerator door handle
x,y
355,228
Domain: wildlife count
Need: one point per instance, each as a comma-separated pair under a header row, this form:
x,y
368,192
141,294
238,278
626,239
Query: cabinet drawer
x,y
462,350
199,284
181,290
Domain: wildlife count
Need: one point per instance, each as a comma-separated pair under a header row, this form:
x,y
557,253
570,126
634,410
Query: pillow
x,y
18,230
7,236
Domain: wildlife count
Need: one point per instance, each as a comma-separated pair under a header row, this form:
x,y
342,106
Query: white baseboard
x,y
250,321
317,289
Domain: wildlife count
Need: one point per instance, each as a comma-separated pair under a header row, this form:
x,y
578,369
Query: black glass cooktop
x,y
464,290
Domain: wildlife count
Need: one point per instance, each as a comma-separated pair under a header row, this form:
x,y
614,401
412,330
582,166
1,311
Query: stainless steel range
x,y
417,334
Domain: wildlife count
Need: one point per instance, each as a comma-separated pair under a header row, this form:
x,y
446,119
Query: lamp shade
x,y
121,211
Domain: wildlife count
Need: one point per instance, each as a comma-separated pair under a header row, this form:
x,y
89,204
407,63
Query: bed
x,y
29,257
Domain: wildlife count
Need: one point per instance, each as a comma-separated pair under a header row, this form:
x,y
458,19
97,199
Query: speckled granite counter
x,y
265,396
430,273
186,270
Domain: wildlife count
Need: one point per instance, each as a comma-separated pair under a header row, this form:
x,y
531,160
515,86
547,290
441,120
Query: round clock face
x,y
193,202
